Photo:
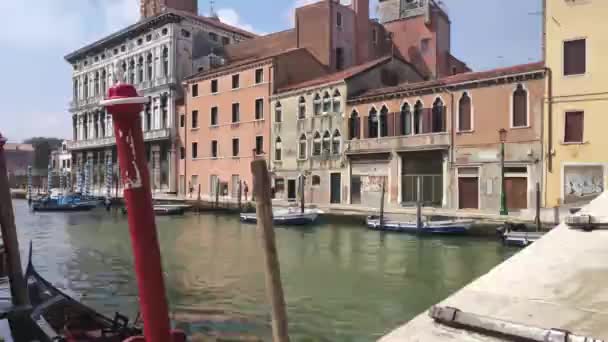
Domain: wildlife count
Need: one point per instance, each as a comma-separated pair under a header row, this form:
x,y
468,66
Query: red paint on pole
x,y
124,106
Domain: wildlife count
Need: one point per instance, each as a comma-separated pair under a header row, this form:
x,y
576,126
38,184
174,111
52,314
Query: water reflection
x,y
342,282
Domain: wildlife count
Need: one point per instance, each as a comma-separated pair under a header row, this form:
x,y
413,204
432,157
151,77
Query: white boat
x,y
286,216
450,227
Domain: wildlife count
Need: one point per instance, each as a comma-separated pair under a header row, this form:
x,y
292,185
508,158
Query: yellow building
x,y
576,110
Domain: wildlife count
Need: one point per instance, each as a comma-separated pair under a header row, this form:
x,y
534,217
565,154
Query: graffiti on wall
x,y
372,183
582,183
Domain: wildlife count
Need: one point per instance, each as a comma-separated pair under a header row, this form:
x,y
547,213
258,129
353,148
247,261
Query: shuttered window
x,y
574,127
575,56
520,107
464,113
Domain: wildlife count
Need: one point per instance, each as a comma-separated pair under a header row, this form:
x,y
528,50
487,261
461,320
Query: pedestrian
x,y
246,189
190,188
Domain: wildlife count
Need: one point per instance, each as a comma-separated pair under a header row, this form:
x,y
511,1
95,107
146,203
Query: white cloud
x,y
231,17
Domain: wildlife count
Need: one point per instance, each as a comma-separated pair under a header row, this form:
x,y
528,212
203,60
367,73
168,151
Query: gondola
x,y
61,318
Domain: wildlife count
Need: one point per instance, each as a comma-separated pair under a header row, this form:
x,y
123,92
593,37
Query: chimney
x,y
362,30
361,8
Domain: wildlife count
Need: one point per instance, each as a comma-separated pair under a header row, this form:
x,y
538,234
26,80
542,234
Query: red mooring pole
x,y
125,105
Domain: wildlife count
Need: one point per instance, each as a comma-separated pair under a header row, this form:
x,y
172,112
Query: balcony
x,y
158,134
418,142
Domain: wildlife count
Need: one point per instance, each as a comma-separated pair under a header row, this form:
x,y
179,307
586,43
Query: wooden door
x,y
516,189
468,193
291,189
335,188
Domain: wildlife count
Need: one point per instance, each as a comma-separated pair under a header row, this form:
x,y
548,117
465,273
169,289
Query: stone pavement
x,y
561,281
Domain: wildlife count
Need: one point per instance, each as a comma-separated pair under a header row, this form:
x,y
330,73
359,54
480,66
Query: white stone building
x,y
155,55
61,158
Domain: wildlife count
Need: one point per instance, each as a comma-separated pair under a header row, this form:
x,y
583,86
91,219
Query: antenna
x,y
212,9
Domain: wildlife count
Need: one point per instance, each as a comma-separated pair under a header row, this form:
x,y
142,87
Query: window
x,y
182,120
213,86
259,76
194,90
149,67
165,61
235,147
520,107
316,144
339,20
259,109
317,104
302,147
76,89
259,145
574,127
354,129
148,117
278,112
213,116
96,84
236,112
316,180
213,36
132,71
575,57
140,41
164,31
418,118
225,41
384,122
195,119
115,51
326,143
337,101
372,123
235,81
214,149
438,116
425,45
123,48
326,103
277,149
149,38
335,142
464,113
185,33
405,119
194,150
301,108
182,153
339,58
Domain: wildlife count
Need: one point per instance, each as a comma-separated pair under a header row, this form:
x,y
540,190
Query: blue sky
x,y
35,35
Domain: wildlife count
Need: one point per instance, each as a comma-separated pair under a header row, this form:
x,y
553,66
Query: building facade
x,y
309,129
18,158
444,134
575,48
61,158
154,55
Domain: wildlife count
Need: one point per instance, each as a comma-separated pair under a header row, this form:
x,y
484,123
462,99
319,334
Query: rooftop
x,y
18,147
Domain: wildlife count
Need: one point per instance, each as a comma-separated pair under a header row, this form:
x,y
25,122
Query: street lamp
x,y
502,133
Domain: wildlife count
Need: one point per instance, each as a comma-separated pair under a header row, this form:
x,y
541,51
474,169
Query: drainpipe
x,y
549,119
186,92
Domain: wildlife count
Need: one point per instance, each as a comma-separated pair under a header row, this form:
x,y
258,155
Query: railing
x,y
158,134
400,142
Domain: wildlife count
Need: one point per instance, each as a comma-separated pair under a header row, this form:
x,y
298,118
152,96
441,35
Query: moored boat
x,y
165,210
449,227
286,217
518,235
64,203
61,318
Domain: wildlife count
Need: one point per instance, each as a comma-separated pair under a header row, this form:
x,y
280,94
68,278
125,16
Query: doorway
x,y
335,187
355,190
291,190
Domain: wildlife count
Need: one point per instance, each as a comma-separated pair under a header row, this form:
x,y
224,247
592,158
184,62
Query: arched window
x,y
165,61
76,85
464,113
104,84
438,123
164,108
278,112
326,142
96,84
301,108
336,142
85,126
140,69
316,144
354,126
317,104
520,107
405,118
372,123
418,118
123,76
132,72
337,101
326,103
85,92
278,147
149,66
302,147
383,121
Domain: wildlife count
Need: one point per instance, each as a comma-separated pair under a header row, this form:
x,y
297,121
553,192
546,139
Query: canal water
x,y
342,282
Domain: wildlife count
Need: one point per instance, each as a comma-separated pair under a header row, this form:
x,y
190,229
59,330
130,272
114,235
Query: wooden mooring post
x,y
261,188
382,204
302,195
418,203
240,194
9,235
198,200
537,219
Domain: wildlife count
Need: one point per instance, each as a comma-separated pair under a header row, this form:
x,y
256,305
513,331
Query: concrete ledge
x,y
561,281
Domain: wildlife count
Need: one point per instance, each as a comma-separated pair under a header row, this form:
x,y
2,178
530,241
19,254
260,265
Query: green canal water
x,y
342,282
